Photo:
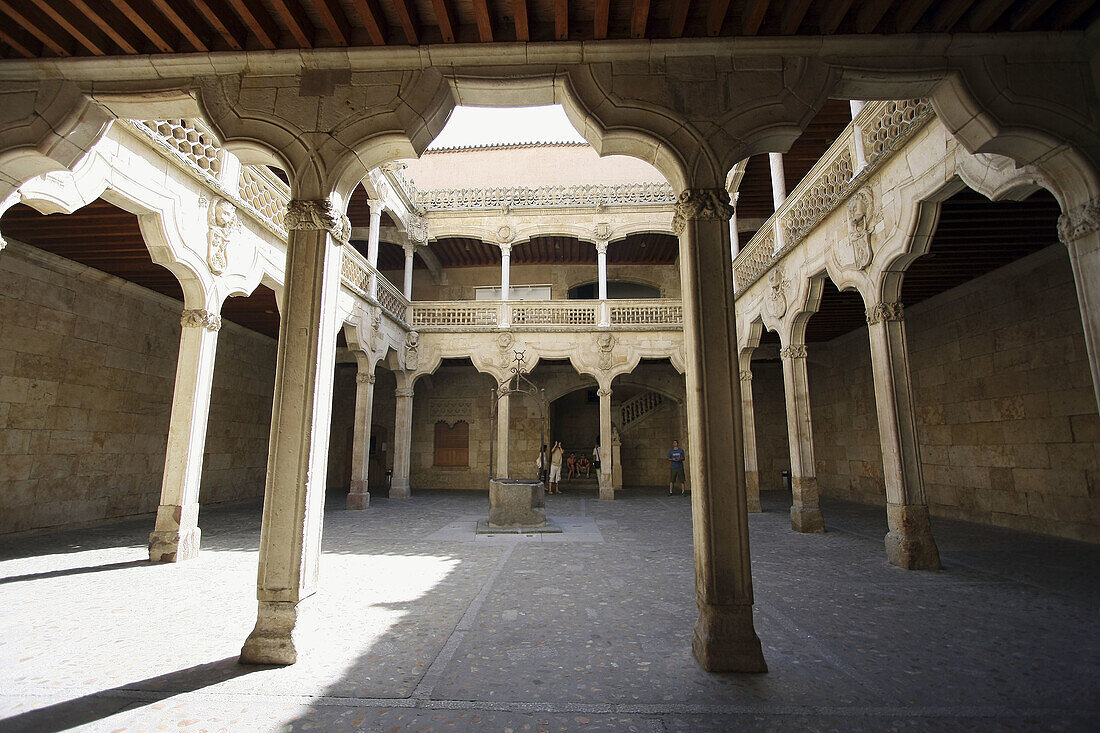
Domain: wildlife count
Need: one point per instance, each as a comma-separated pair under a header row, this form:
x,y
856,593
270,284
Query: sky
x,y
483,125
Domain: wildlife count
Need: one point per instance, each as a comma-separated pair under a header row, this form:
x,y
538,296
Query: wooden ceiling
x,y
974,236
52,28
636,249
105,237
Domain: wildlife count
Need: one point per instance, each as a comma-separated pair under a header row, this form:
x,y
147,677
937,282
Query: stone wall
x,y
772,449
87,365
454,391
1005,406
645,446
461,282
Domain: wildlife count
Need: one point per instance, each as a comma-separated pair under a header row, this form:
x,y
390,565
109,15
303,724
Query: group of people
x,y
550,471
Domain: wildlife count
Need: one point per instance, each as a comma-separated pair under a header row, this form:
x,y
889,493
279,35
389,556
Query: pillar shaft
x,y
601,269
857,136
290,532
176,533
735,238
1079,230
400,488
504,417
724,639
805,511
408,290
607,488
505,274
909,543
779,180
748,426
359,491
376,208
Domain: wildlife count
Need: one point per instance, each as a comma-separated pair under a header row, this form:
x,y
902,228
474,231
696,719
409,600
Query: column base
x,y
272,640
909,543
607,493
400,490
807,520
358,499
752,491
176,534
724,639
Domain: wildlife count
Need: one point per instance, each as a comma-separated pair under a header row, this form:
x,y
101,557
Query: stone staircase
x,y
636,409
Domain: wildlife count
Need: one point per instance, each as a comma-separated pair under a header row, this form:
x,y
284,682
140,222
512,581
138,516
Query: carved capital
x,y
505,249
746,375
317,215
404,391
797,351
201,319
377,206
885,312
603,392
601,248
364,378
1079,221
699,204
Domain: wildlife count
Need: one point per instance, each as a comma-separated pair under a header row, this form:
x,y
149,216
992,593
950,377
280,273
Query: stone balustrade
x,y
558,315
884,126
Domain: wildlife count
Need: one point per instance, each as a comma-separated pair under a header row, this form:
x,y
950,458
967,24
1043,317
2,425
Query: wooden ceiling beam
x,y
909,14
1023,18
444,18
561,20
334,20
948,14
601,14
870,15
484,21
410,23
793,16
301,30
639,16
151,25
258,22
371,16
716,16
833,15
752,17
222,23
677,17
20,42
78,27
37,25
519,13
1069,12
987,13
188,27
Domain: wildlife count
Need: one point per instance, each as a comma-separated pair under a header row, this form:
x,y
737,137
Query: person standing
x,y
676,458
555,468
596,458
540,464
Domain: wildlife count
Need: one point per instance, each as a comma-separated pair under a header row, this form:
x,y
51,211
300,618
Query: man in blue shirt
x,y
676,468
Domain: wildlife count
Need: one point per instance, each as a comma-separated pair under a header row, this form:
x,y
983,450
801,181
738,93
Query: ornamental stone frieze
x,y
1079,221
317,215
695,204
885,312
798,351
201,319
451,411
223,222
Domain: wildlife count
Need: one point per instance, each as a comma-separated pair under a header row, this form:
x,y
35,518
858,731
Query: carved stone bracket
x,y
798,351
885,312
417,228
1079,221
700,204
318,214
860,224
223,222
605,344
201,319
746,375
412,350
364,378
776,303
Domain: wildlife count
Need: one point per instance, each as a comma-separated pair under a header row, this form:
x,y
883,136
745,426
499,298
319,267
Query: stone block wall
x,y
438,395
462,281
645,447
87,365
1006,413
772,450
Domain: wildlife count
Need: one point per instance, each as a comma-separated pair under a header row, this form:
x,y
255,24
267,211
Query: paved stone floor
x,y
421,626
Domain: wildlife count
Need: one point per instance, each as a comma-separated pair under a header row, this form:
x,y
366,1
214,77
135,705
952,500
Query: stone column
x,y
505,269
175,536
400,487
294,498
805,512
503,429
408,290
376,209
359,492
909,543
601,274
857,136
779,195
607,488
724,639
748,426
1079,230
735,238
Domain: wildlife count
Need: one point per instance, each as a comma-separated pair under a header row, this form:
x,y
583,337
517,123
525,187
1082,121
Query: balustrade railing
x,y
638,407
884,126
191,140
517,197
565,315
372,285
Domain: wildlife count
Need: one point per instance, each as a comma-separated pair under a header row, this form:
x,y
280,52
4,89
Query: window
x,y
452,444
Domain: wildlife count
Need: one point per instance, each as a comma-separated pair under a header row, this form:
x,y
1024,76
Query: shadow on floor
x,y
75,571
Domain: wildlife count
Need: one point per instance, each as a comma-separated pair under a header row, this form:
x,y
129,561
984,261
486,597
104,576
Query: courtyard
x,y
420,625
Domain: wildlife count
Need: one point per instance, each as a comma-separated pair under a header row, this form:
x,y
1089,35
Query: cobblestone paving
x,y
421,626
